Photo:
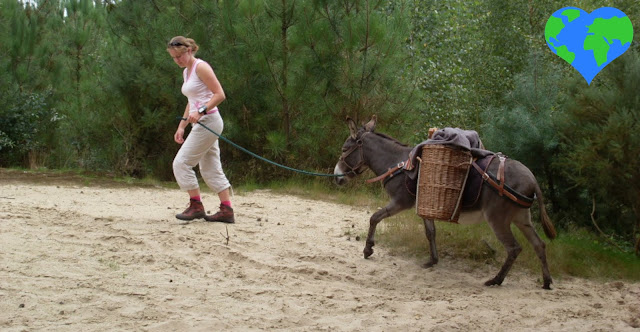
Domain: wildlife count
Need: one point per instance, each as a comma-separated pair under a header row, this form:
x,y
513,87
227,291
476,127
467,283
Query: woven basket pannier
x,y
441,179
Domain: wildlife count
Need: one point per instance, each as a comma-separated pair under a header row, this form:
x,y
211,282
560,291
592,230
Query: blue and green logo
x,y
589,42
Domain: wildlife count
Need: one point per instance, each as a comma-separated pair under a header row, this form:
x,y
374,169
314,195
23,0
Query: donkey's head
x,y
352,161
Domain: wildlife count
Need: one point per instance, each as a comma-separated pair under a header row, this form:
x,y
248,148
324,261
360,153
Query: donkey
x,y
365,149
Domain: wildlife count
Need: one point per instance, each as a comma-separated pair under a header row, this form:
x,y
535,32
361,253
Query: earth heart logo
x,y
588,42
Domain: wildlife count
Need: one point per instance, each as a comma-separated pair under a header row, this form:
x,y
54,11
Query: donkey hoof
x,y
367,252
493,282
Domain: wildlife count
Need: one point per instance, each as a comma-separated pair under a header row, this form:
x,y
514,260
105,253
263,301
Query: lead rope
x,y
262,158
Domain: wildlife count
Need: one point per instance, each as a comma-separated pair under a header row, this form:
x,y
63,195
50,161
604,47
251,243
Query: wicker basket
x,y
442,176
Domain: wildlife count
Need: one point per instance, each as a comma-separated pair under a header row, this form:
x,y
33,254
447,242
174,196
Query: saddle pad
x,y
410,181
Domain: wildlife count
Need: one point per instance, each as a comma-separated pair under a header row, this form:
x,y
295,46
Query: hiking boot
x,y
195,210
224,215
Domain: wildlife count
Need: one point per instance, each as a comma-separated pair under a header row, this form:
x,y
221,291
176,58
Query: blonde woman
x,y
204,94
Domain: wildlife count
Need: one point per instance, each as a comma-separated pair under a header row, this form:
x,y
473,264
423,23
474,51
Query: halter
x,y
343,158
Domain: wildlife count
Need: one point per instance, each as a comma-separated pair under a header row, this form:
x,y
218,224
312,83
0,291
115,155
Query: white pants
x,y
201,147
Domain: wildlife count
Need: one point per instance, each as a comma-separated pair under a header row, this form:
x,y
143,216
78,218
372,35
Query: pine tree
x,y
30,67
601,145
301,67
523,126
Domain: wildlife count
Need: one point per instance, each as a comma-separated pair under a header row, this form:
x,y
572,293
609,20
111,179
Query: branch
x,y
269,65
365,49
636,209
606,237
156,5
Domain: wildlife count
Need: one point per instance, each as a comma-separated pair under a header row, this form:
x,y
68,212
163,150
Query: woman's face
x,y
181,58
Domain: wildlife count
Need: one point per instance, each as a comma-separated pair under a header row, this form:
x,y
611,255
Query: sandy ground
x,y
99,258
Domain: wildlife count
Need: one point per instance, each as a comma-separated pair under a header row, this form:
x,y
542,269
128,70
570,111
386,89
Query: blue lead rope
x,y
262,158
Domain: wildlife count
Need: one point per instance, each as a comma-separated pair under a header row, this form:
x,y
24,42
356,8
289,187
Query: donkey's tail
x,y
547,226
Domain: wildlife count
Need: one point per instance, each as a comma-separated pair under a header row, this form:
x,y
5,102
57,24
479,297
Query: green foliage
x,y
601,145
304,68
523,126
26,44
276,144
140,86
26,129
469,52
443,40
291,71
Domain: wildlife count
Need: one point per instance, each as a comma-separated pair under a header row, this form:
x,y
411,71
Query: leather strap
x,y
389,173
506,190
501,174
357,146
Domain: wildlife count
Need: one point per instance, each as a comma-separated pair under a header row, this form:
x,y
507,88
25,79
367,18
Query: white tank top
x,y
195,90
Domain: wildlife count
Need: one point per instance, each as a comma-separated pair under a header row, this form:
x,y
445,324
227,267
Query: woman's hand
x,y
179,136
194,117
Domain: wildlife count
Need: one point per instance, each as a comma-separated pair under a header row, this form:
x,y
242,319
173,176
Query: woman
x,y
204,94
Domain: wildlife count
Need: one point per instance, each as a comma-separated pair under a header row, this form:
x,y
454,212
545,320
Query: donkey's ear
x,y
353,129
371,125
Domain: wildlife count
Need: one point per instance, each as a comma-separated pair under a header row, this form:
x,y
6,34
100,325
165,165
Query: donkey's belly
x,y
470,217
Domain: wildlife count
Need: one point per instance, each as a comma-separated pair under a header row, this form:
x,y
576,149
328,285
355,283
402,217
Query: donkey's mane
x,y
390,138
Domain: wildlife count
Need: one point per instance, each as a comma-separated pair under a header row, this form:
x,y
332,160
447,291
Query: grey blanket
x,y
465,139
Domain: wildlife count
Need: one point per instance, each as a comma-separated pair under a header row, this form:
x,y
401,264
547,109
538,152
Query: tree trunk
x,y
286,121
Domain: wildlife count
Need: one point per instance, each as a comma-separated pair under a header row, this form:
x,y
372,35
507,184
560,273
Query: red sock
x,y
196,198
227,203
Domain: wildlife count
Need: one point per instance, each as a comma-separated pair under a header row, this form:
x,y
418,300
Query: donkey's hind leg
x,y
502,229
526,227
430,231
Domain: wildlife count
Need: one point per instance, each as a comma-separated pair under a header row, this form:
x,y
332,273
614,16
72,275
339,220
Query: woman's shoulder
x,y
203,66
202,62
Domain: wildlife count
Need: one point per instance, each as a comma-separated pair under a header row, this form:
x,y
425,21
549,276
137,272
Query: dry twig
x,y
226,237
593,219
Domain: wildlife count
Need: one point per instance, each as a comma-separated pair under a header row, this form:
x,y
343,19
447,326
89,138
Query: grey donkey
x,y
366,149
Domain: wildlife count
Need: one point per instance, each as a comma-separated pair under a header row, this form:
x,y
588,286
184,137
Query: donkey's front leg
x,y
387,211
430,230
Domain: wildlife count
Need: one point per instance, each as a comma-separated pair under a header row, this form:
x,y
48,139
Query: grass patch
x,y
85,178
577,252
580,253
356,193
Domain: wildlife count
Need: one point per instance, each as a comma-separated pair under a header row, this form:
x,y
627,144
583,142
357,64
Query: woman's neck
x,y
192,60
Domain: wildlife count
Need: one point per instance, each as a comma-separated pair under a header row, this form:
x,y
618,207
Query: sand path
x,y
96,258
